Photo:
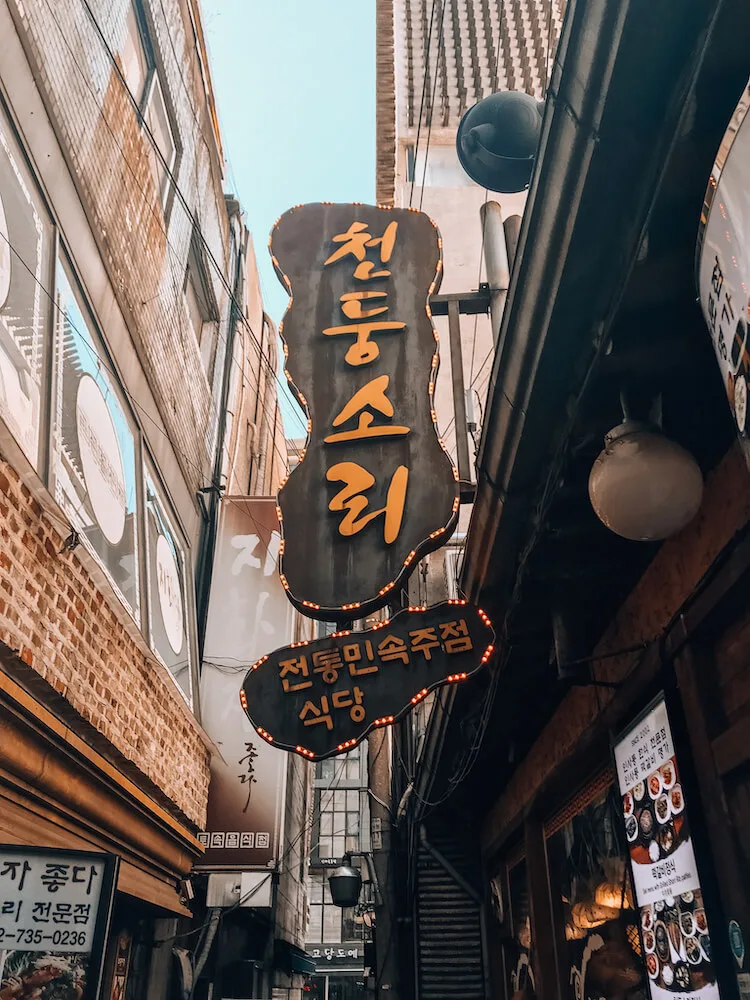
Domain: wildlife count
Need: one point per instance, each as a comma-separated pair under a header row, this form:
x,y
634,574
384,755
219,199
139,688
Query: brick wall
x,y
60,622
144,247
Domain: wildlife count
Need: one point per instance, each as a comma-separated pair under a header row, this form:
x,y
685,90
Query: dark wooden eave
x,y
602,297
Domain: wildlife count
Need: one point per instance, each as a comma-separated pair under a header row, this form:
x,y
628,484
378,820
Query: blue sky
x,y
295,91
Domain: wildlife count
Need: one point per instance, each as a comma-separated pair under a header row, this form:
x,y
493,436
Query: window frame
x,y
155,78
61,252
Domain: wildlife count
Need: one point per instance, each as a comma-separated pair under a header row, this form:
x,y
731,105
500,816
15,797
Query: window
x,y
158,122
588,860
200,302
328,924
342,770
26,262
141,76
94,452
135,64
339,822
167,588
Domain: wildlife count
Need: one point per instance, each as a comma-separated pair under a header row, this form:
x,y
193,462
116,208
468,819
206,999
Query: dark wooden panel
x,y
376,488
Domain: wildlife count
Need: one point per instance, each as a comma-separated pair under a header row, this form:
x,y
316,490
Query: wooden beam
x,y
690,665
543,933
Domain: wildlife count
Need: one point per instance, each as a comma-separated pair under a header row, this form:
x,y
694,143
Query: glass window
x,y
161,129
26,239
331,924
588,862
94,461
135,66
167,588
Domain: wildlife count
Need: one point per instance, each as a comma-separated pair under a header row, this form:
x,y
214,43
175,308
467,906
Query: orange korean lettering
x,y
363,351
352,503
352,304
393,648
352,701
311,715
373,394
353,656
298,667
455,636
356,241
424,640
328,663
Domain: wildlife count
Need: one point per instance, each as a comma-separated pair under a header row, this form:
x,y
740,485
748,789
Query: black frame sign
x,y
677,946
375,488
55,911
322,697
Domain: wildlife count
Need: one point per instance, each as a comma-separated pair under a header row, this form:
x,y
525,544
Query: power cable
x,y
421,103
441,43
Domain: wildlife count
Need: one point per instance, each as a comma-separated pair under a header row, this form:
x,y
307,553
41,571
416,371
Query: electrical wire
x,y
421,103
441,44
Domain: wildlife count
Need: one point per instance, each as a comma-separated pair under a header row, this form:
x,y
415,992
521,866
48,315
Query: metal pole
x,y
459,399
512,227
496,262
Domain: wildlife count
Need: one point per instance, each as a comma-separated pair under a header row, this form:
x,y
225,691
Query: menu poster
x,y
674,927
55,908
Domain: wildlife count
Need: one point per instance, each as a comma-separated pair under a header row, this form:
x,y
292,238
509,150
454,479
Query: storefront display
x,y
588,861
674,926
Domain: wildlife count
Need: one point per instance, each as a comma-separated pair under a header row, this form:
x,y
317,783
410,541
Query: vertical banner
x,y
55,908
249,615
674,927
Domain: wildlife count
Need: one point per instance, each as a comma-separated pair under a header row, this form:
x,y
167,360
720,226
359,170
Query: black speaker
x,y
498,138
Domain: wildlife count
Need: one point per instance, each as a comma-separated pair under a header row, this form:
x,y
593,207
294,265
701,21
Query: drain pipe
x,y
496,262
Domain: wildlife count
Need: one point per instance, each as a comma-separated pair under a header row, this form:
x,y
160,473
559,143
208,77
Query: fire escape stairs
x,y
449,920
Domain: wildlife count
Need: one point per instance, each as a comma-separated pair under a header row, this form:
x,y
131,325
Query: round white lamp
x,y
644,486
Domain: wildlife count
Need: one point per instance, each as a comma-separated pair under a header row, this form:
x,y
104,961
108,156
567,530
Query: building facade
x,y
575,822
336,937
124,342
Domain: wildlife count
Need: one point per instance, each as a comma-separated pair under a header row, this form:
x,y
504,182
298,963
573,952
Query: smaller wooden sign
x,y
321,698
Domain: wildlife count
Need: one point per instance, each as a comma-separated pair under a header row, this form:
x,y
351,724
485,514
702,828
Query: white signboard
x,y
249,615
724,263
674,927
54,912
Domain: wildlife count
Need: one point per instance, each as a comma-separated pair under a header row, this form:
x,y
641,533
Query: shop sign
x,y
724,264
375,489
55,908
674,926
248,615
321,698
348,955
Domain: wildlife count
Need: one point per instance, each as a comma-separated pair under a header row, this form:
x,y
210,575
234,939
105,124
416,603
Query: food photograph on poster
x,y
34,975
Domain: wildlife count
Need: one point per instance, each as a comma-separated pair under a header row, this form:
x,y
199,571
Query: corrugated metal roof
x,y
472,48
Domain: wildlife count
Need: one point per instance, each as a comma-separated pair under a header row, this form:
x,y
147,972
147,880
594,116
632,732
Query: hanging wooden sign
x,y
320,698
375,489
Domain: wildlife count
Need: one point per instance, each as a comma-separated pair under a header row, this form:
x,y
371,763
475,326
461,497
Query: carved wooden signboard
x,y
375,489
320,698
